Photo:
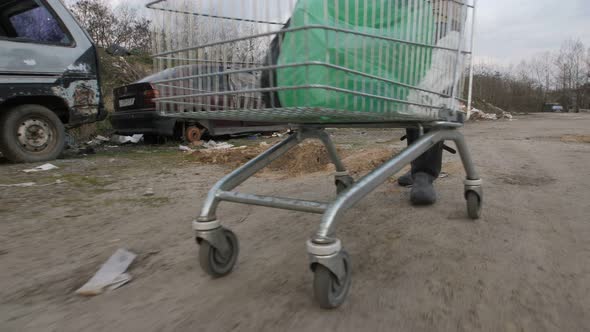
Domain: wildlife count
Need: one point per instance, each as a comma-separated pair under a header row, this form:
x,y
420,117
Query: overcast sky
x,y
511,30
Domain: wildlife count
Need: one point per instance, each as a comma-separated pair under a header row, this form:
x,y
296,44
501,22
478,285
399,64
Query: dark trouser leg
x,y
431,161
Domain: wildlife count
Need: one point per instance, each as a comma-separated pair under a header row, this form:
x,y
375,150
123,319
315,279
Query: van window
x,y
35,23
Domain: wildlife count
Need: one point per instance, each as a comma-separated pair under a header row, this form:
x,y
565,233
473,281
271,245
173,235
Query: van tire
x,y
31,133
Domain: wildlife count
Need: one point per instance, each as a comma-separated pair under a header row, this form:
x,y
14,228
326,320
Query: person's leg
x,y
425,170
431,161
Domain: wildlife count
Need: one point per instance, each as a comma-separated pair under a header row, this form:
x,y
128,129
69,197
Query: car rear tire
x,y
193,134
31,133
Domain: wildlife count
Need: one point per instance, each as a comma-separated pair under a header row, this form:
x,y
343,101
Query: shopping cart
x,y
316,64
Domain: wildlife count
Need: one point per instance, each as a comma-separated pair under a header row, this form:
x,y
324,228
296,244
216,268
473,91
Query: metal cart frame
x,y
324,248
329,262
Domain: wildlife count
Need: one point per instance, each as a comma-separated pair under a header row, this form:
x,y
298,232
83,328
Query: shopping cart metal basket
x,y
316,64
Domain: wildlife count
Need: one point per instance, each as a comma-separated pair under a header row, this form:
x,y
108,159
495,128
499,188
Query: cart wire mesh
x,y
313,61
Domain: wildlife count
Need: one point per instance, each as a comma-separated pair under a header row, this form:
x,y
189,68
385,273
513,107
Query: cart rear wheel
x,y
328,290
473,205
216,263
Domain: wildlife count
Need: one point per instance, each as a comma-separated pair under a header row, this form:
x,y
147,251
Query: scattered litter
x,y
127,139
443,175
111,274
253,137
185,149
98,140
19,185
42,168
31,184
278,135
149,192
212,145
52,183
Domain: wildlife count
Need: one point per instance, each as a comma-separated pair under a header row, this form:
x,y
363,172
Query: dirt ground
x,y
525,266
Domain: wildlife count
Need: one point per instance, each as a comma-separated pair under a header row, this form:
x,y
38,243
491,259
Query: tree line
x,y
561,76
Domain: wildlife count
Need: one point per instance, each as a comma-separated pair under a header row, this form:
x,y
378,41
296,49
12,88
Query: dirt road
x,y
524,267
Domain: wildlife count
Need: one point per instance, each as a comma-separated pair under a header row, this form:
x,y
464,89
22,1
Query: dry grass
x,y
575,138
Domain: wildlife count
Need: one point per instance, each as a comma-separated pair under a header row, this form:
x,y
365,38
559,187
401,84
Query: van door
x,y
43,51
35,40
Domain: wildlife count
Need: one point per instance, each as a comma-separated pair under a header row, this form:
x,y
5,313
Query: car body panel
x,y
67,74
137,116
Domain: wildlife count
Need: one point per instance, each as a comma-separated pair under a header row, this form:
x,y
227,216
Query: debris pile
x,y
306,158
367,160
486,111
477,115
575,138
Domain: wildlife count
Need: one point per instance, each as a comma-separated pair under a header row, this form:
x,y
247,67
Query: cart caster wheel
x,y
328,291
473,205
343,183
214,262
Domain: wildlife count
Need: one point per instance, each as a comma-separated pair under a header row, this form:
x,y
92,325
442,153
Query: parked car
x,y
49,79
136,111
552,107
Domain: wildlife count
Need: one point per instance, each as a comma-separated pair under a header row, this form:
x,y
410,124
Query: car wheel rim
x,y
35,134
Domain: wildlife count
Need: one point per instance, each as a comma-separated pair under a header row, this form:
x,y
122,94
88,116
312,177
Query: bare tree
x,y
108,27
542,71
572,72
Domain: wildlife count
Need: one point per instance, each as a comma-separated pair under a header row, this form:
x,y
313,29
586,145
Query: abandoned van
x,y
48,79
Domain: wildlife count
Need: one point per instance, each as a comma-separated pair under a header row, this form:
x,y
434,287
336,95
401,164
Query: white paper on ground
x,y
20,185
110,273
120,281
185,148
127,139
42,168
212,145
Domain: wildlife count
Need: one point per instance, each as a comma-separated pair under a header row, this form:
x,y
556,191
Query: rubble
x,y
477,114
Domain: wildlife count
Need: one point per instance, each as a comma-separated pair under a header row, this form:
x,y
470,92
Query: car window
x,y
208,83
34,22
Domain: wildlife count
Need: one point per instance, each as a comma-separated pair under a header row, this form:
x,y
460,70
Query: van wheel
x,y
31,133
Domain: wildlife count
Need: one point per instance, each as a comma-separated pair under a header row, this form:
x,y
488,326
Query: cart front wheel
x,y
329,291
216,263
473,205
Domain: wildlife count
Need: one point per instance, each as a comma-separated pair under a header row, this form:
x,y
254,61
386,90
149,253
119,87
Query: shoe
x,y
406,180
423,192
